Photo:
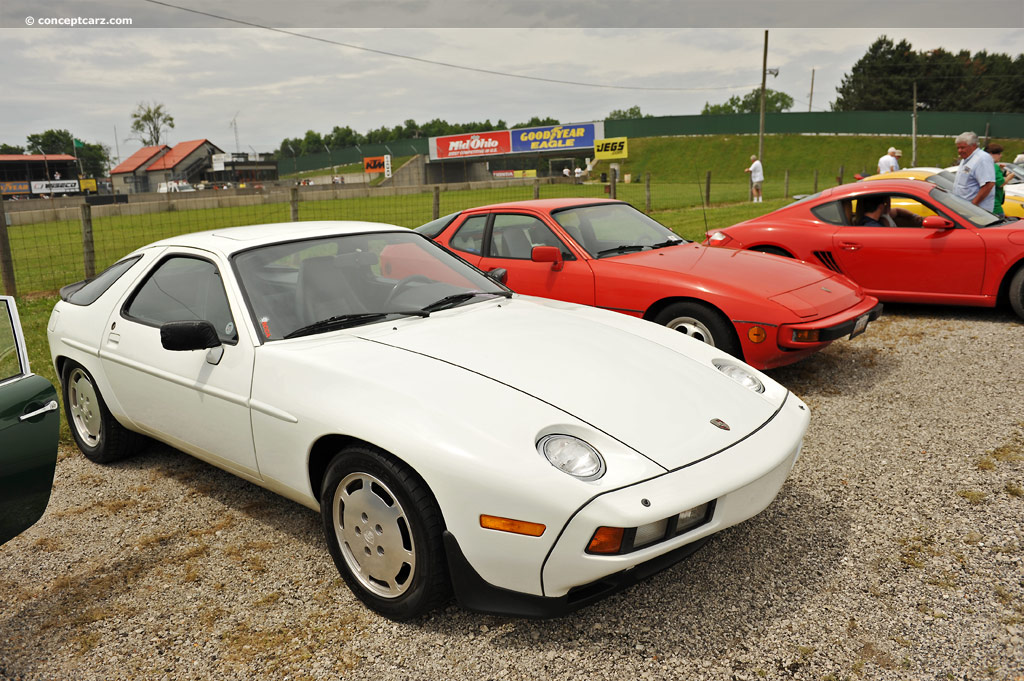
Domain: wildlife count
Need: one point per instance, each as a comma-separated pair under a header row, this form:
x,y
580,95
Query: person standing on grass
x,y
756,178
976,176
888,163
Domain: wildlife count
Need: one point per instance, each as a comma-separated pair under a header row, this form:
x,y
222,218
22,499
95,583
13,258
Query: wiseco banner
x,y
472,144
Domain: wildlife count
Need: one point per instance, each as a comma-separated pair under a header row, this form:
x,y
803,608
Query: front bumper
x,y
849,322
741,481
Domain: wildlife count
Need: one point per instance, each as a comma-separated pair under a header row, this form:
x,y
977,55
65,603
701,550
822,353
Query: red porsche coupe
x,y
933,247
765,310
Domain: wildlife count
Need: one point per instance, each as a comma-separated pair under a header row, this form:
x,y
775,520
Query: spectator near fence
x,y
888,162
976,177
756,171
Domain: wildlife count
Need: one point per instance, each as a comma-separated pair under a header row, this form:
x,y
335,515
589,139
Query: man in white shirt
x,y
888,163
756,178
976,176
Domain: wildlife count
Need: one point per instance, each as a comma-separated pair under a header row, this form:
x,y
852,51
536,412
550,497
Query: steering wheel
x,y
404,284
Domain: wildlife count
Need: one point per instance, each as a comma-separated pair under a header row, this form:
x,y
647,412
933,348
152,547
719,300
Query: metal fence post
x,y
295,204
647,192
437,202
88,249
6,259
613,177
785,192
839,178
815,182
536,188
707,189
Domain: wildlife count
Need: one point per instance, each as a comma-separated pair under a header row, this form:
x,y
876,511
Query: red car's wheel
x,y
702,323
1017,293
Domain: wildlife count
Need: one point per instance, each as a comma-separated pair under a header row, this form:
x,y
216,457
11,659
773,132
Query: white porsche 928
x,y
528,455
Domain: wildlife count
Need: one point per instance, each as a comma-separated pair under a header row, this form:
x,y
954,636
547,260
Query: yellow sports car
x,y
1013,206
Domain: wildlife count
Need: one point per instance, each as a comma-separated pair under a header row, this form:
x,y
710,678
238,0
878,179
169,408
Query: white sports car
x,y
529,455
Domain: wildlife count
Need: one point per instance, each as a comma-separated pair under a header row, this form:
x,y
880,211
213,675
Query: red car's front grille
x,y
828,261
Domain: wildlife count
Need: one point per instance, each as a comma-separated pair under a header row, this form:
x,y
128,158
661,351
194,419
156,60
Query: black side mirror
x,y
498,274
188,335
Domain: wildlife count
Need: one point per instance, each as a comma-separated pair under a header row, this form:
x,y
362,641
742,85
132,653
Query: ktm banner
x,y
613,147
378,164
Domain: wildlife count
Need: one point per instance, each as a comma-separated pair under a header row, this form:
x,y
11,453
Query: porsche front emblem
x,y
719,423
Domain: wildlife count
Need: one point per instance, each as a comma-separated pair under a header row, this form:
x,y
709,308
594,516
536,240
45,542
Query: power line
x,y
432,62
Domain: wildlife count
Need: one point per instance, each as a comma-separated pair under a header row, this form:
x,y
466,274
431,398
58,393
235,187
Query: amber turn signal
x,y
805,335
606,540
756,334
492,522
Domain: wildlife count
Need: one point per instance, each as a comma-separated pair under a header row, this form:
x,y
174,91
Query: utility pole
x,y
913,136
810,99
764,76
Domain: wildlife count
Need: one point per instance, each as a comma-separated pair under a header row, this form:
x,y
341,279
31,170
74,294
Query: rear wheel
x,y
702,323
383,530
1017,293
97,433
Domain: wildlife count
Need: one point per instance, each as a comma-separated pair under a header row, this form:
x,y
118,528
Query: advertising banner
x,y
471,144
15,187
555,137
377,164
55,187
613,147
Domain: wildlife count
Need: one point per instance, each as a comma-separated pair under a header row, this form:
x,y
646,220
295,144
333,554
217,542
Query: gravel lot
x,y
893,552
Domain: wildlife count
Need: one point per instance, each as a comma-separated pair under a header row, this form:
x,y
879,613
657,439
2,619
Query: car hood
x,y
805,289
654,390
768,275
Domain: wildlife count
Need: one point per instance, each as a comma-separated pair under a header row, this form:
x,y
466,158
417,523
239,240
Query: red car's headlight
x,y
719,239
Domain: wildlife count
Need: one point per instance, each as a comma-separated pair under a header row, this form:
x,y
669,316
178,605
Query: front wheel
x,y
97,433
702,323
383,530
1017,293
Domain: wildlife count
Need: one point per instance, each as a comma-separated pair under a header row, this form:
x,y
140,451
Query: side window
x,y
834,213
470,237
183,288
514,236
11,354
89,293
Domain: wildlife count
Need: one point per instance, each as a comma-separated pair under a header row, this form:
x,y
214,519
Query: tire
x,y
1016,293
383,530
771,250
97,433
702,323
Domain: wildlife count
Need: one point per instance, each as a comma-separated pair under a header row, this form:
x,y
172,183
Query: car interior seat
x,y
325,289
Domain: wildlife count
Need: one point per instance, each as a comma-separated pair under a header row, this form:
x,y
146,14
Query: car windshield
x,y
609,229
979,217
943,179
311,286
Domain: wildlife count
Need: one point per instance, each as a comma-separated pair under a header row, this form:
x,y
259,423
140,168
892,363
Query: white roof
x,y
231,239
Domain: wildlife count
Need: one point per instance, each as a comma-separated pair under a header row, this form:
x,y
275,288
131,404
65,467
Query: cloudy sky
x,y
279,70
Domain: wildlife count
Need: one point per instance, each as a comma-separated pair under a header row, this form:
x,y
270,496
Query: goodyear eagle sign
x,y
555,137
613,147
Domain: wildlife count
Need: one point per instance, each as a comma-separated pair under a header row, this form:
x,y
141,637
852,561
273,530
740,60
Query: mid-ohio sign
x,y
571,137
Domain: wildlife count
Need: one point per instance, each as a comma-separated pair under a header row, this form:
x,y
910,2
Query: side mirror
x,y
551,254
498,274
937,222
192,335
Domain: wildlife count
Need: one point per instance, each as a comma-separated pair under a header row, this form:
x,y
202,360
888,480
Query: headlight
x,y
572,455
740,375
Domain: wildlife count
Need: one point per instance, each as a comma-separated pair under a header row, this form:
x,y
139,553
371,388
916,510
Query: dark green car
x,y
29,428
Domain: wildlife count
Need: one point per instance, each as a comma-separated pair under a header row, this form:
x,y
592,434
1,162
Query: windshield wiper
x,y
624,248
352,319
669,242
456,298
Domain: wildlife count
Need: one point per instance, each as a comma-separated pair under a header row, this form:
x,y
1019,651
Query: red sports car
x,y
938,248
762,309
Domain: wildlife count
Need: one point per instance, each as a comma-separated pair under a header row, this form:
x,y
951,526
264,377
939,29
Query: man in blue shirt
x,y
976,176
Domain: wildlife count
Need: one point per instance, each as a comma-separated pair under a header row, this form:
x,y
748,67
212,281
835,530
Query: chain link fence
x,y
48,243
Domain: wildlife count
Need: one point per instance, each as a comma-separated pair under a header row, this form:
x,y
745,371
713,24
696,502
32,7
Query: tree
x,y
93,158
774,102
149,121
11,149
881,80
627,114
534,122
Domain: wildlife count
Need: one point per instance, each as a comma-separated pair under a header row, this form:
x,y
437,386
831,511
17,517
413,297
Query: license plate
x,y
860,326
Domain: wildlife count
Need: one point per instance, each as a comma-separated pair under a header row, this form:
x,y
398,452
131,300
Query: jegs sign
x,y
378,164
613,147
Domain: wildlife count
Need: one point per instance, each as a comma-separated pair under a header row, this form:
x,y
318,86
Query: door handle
x,y
849,246
51,406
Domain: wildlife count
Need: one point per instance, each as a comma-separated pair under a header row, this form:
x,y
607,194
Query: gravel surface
x,y
894,551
